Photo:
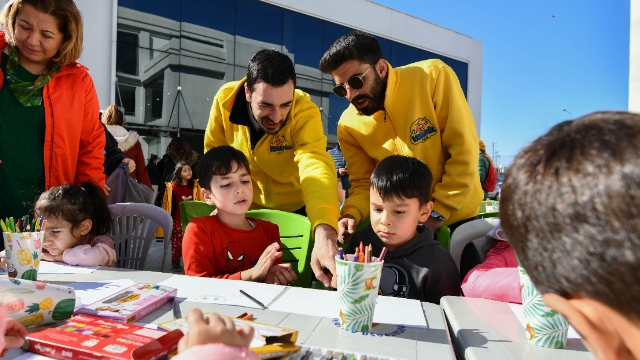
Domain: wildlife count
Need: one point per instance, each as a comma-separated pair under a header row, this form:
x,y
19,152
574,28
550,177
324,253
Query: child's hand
x,y
14,335
53,258
259,272
280,274
213,329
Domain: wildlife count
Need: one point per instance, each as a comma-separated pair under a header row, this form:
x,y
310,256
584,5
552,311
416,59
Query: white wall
x,y
398,26
634,58
99,51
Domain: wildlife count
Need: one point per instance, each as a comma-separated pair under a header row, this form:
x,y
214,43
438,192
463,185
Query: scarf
x,y
28,94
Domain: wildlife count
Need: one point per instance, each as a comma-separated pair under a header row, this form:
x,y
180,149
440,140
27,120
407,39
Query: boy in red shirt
x,y
229,244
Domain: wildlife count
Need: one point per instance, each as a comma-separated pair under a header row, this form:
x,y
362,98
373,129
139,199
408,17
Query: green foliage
x,y
360,299
31,274
33,308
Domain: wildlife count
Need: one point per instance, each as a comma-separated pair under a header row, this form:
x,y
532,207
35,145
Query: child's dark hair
x,y
570,209
175,176
220,161
76,204
402,177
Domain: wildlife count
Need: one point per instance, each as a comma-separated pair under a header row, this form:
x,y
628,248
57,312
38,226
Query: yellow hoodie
x,y
426,116
289,169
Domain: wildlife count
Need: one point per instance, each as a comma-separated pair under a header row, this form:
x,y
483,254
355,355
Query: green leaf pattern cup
x,y
357,293
544,326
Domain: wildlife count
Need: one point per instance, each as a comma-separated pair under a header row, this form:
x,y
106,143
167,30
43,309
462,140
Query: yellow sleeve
x,y
214,134
360,167
459,140
315,165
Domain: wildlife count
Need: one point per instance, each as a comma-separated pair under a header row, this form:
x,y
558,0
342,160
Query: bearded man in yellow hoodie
x,y
415,110
279,130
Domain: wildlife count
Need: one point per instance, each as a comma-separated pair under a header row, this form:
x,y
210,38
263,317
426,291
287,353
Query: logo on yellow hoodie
x,y
421,130
279,144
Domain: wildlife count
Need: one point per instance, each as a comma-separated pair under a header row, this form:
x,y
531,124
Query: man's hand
x,y
280,274
213,329
260,270
433,223
130,163
14,334
346,228
343,172
324,254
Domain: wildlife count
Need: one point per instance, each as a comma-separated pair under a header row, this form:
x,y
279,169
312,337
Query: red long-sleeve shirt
x,y
210,248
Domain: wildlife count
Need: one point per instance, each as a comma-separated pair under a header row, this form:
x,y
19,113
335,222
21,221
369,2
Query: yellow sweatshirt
x,y
426,116
289,169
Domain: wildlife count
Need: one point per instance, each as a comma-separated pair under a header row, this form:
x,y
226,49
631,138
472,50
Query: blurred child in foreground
x,y
570,210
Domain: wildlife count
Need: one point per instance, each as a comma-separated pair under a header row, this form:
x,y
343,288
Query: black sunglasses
x,y
355,82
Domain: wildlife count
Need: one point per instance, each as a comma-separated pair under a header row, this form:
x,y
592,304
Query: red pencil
x,y
382,254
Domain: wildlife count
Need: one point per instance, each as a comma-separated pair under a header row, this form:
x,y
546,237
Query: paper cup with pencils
x,y
358,284
23,247
544,326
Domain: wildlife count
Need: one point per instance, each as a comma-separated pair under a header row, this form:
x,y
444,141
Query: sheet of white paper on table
x,y
518,310
222,291
31,356
88,292
389,310
47,267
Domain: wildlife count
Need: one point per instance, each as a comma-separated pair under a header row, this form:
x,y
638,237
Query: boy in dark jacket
x,y
416,266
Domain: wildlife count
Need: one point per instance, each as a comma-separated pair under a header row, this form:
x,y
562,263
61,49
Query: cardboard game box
x,y
88,337
131,304
268,342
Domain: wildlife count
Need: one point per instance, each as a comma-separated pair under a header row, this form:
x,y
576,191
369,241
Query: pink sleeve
x,y
3,324
87,255
217,352
493,279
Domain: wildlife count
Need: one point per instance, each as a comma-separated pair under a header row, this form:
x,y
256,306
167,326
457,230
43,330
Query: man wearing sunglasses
x,y
416,110
279,130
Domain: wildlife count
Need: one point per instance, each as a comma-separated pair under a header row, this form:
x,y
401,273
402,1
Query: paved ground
x,y
154,260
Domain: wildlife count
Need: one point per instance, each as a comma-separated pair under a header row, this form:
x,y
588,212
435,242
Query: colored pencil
x,y
383,253
253,299
341,254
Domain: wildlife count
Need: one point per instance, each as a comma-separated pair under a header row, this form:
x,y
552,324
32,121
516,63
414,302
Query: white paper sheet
x,y
32,356
47,267
223,291
518,310
389,310
88,292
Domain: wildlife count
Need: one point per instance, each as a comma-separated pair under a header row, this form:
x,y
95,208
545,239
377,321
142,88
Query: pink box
x,y
131,304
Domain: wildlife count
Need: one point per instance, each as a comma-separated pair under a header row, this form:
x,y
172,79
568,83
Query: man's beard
x,y
268,130
376,97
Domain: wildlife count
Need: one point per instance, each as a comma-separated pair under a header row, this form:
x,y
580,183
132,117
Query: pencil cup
x,y
23,252
544,326
36,303
357,292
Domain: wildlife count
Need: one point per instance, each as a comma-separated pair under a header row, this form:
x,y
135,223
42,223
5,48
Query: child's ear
x,y
85,227
425,211
606,333
207,196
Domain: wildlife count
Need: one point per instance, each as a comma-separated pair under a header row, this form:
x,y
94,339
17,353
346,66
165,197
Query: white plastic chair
x,y
133,228
473,231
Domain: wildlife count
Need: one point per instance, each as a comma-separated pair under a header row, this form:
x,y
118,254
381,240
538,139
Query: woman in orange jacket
x,y
49,131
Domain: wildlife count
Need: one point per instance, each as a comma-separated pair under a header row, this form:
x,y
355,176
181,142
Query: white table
x,y
484,329
412,343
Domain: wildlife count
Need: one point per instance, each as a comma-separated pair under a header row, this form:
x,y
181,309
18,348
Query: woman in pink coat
x,y
497,277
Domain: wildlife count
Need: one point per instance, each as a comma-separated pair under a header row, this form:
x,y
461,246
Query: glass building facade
x,y
197,46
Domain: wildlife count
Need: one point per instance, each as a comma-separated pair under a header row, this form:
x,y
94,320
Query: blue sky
x,y
534,65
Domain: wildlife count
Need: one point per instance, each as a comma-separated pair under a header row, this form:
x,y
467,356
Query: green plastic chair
x,y
492,206
295,235
444,234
